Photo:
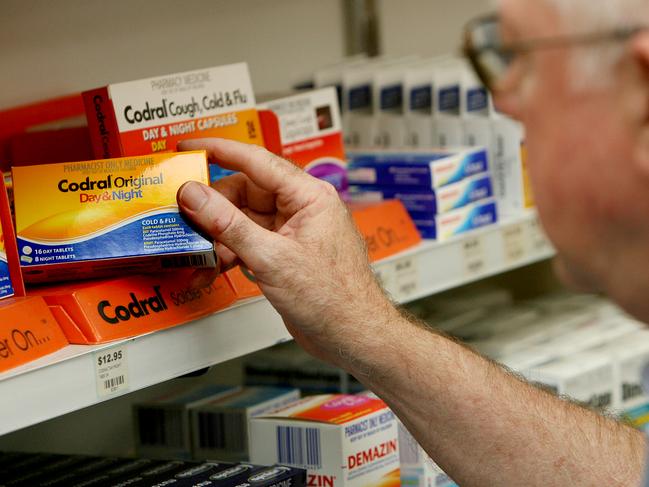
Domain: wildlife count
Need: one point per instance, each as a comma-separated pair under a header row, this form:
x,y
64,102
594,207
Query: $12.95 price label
x,y
111,370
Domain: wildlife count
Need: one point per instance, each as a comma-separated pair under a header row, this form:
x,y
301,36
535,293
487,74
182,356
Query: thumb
x,y
217,217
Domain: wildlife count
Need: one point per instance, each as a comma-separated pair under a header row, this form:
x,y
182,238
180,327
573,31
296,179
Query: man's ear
x,y
640,53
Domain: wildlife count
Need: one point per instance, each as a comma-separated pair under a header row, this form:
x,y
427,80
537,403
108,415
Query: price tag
x,y
514,243
538,241
406,278
475,258
111,370
387,229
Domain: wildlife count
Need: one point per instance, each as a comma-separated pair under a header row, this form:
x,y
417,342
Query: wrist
x,y
367,339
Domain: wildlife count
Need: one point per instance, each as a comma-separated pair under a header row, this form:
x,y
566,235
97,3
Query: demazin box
x,y
341,440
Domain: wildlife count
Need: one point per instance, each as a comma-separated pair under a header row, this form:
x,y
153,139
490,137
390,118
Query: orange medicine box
x,y
27,331
98,218
153,115
101,311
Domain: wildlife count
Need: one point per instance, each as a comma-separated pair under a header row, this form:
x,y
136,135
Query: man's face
x,y
581,144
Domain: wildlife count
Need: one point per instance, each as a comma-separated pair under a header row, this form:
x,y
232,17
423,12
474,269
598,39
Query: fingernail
x,y
192,196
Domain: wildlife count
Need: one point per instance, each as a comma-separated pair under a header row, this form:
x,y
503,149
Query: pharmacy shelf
x,y
434,267
69,380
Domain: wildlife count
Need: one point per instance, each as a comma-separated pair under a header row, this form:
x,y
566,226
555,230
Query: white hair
x,y
593,66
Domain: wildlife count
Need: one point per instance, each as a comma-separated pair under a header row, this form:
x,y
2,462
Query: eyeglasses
x,y
491,58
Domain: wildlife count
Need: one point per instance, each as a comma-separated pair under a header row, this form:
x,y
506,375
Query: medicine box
x,y
154,114
509,166
441,200
630,355
11,281
585,376
99,218
462,220
422,169
341,440
311,133
217,474
220,427
162,425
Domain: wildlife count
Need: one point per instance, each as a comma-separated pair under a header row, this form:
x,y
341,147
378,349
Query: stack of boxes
x,y
408,103
204,423
446,193
31,470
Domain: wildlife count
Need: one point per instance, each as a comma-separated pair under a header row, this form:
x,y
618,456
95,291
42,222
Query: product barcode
x,y
299,446
113,382
160,427
222,431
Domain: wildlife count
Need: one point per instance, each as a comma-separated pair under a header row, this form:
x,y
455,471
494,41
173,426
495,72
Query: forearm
x,y
482,425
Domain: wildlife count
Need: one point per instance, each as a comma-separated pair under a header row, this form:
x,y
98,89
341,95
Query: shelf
x,y
434,267
68,380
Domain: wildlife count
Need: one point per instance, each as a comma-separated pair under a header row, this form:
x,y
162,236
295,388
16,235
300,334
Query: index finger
x,y
264,168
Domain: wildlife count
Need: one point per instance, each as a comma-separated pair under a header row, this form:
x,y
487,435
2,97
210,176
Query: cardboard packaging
x,y
509,166
272,140
102,311
288,367
418,107
157,473
163,427
332,75
152,115
462,220
389,114
243,283
419,103
107,217
341,440
27,331
442,200
423,169
358,109
211,474
11,280
630,355
220,426
585,376
449,129
311,133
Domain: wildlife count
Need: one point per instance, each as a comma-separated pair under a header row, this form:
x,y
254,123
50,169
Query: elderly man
x,y
576,72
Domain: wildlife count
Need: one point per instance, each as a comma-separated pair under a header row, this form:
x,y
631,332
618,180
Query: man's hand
x,y
295,234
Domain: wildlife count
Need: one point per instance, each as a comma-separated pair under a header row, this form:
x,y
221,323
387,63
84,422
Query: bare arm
x,y
483,426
